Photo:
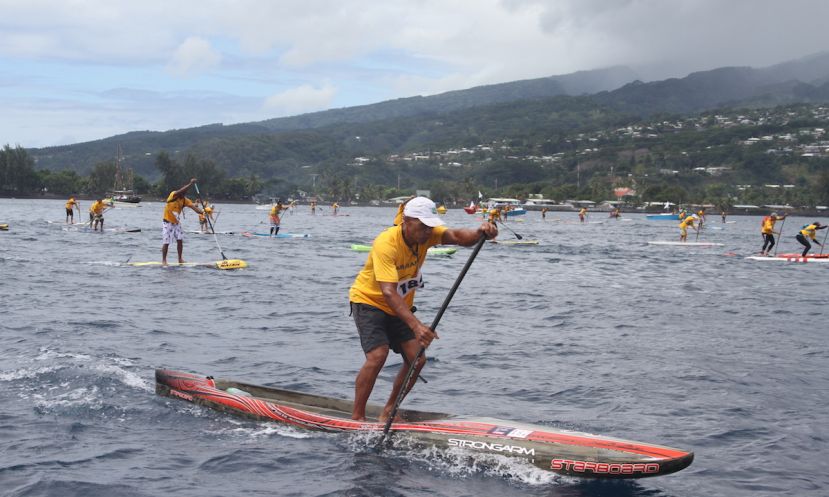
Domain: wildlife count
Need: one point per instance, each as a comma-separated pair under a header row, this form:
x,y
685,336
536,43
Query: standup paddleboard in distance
x,y
431,251
685,244
515,242
281,235
4,227
225,264
550,449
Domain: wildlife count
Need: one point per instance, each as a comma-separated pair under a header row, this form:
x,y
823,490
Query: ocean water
x,y
592,330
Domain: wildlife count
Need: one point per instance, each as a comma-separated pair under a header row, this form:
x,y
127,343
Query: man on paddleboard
x,y
171,225
767,230
70,210
96,214
683,227
383,293
809,232
275,220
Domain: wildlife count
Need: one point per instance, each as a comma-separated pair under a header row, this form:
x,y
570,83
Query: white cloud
x,y
301,99
193,57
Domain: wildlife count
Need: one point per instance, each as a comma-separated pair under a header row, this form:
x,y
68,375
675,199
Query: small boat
x,y
471,208
790,258
223,264
560,451
667,216
516,212
431,250
685,244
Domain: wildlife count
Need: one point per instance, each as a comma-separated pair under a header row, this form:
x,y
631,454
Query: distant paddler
x,y
70,206
207,212
494,215
807,233
335,207
767,230
544,213
686,223
582,214
615,212
701,216
96,214
171,224
313,207
274,217
383,293
723,214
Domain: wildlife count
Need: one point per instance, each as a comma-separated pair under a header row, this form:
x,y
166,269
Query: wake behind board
x,y
431,251
224,264
686,244
550,449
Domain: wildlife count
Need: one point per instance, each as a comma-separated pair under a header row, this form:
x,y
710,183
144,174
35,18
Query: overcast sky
x,y
75,70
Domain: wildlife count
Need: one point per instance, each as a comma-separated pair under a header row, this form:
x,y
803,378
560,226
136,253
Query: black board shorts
x,y
376,328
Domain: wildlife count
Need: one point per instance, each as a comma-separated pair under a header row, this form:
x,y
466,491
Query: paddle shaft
x,y
779,236
209,223
403,390
503,223
824,241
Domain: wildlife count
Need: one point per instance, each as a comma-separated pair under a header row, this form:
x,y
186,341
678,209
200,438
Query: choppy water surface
x,y
590,330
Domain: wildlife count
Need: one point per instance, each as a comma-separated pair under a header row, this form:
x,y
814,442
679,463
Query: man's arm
x,y
181,191
423,333
466,237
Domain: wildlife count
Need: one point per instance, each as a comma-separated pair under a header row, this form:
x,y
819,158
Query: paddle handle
x,y
403,387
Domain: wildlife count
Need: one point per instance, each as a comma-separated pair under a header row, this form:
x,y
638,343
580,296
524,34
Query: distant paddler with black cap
x,y
171,224
383,293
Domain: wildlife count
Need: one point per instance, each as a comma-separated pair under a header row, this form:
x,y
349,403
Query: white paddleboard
x,y
686,244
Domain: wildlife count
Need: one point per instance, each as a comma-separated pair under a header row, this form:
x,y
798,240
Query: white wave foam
x,y
83,396
127,377
25,373
263,431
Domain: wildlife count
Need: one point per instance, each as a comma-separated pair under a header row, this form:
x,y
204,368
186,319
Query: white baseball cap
x,y
423,209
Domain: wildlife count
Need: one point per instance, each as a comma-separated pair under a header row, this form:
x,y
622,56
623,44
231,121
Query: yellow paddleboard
x,y
4,227
225,264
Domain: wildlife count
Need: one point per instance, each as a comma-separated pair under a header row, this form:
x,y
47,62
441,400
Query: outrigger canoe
x,y
560,451
431,250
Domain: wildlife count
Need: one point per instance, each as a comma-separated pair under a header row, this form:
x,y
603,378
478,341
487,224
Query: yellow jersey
x,y
809,231
689,221
768,225
392,261
71,203
97,207
174,207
